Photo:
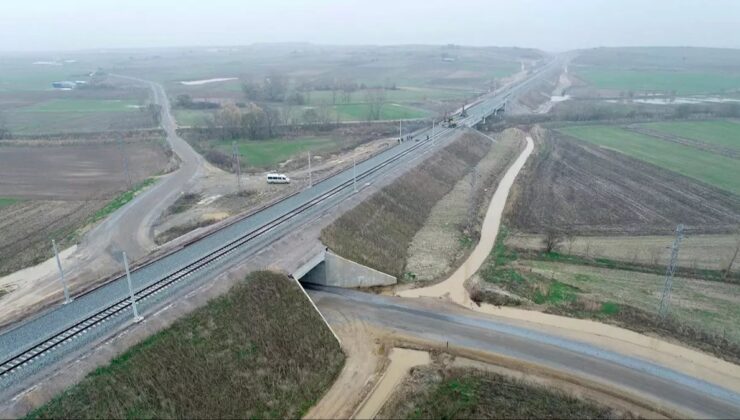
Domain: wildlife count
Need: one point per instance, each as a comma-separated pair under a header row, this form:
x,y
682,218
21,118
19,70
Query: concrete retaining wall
x,y
341,272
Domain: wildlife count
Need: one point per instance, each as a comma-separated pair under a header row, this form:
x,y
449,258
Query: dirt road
x,y
129,229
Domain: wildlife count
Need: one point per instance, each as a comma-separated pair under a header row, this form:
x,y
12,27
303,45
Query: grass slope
x,y
471,393
260,351
377,233
707,167
718,133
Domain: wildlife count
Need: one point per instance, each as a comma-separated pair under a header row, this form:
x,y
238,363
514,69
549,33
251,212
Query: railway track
x,y
77,329
122,305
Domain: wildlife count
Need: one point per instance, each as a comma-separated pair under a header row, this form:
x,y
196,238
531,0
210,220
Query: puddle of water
x,y
401,361
206,81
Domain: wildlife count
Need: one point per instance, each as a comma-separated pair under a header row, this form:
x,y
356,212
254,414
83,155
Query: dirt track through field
x,y
454,287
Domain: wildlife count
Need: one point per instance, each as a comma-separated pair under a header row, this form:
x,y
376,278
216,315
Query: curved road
x,y
129,229
432,321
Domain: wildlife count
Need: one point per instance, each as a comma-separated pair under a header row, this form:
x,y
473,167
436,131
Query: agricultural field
x,y
709,168
720,133
390,111
584,189
238,363
441,392
387,222
683,83
703,314
53,190
685,71
268,153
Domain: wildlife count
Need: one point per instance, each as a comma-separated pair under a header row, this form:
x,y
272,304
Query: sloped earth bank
x,y
377,232
451,230
621,340
259,351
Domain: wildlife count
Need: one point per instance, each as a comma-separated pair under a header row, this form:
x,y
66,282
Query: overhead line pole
x,y
235,153
137,318
61,272
310,175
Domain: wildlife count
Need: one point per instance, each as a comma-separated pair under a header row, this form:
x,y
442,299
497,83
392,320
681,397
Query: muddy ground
x,y
583,189
44,170
59,188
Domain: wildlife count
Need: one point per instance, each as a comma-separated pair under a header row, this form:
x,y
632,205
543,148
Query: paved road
x,y
130,228
38,330
503,336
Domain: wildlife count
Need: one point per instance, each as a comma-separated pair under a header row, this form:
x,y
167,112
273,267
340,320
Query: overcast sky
x,y
547,24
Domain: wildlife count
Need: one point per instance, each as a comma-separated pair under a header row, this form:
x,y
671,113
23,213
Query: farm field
x,y
684,83
703,314
53,191
718,133
269,152
720,171
235,351
76,172
389,111
580,188
401,94
713,252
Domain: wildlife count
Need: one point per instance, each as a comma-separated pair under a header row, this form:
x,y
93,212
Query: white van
x,y
277,179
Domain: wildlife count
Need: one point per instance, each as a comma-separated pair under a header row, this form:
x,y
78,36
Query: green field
x,y
720,171
402,94
268,153
719,133
684,83
360,112
6,201
192,117
83,105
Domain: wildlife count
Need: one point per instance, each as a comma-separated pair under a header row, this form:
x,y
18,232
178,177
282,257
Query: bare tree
x,y
275,86
553,238
375,99
155,112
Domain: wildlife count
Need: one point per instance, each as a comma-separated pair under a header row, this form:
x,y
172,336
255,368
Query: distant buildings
x,y
67,84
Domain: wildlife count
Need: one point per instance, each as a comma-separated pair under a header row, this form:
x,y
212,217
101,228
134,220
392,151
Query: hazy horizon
x,y
46,26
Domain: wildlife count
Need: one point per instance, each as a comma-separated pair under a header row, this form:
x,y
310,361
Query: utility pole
x,y
432,128
310,176
137,318
235,154
61,273
400,129
354,172
665,300
125,162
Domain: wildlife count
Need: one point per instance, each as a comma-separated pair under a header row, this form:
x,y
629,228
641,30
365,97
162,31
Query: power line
x,y
665,300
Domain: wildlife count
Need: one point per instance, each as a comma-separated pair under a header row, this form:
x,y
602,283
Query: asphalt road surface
x,y
504,337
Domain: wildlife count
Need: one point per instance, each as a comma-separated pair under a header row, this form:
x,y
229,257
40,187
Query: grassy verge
x,y
177,231
6,201
377,232
703,314
452,393
704,166
260,351
121,200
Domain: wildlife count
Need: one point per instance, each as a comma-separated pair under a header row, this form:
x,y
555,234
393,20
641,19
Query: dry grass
x,y
448,234
259,351
377,233
433,392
